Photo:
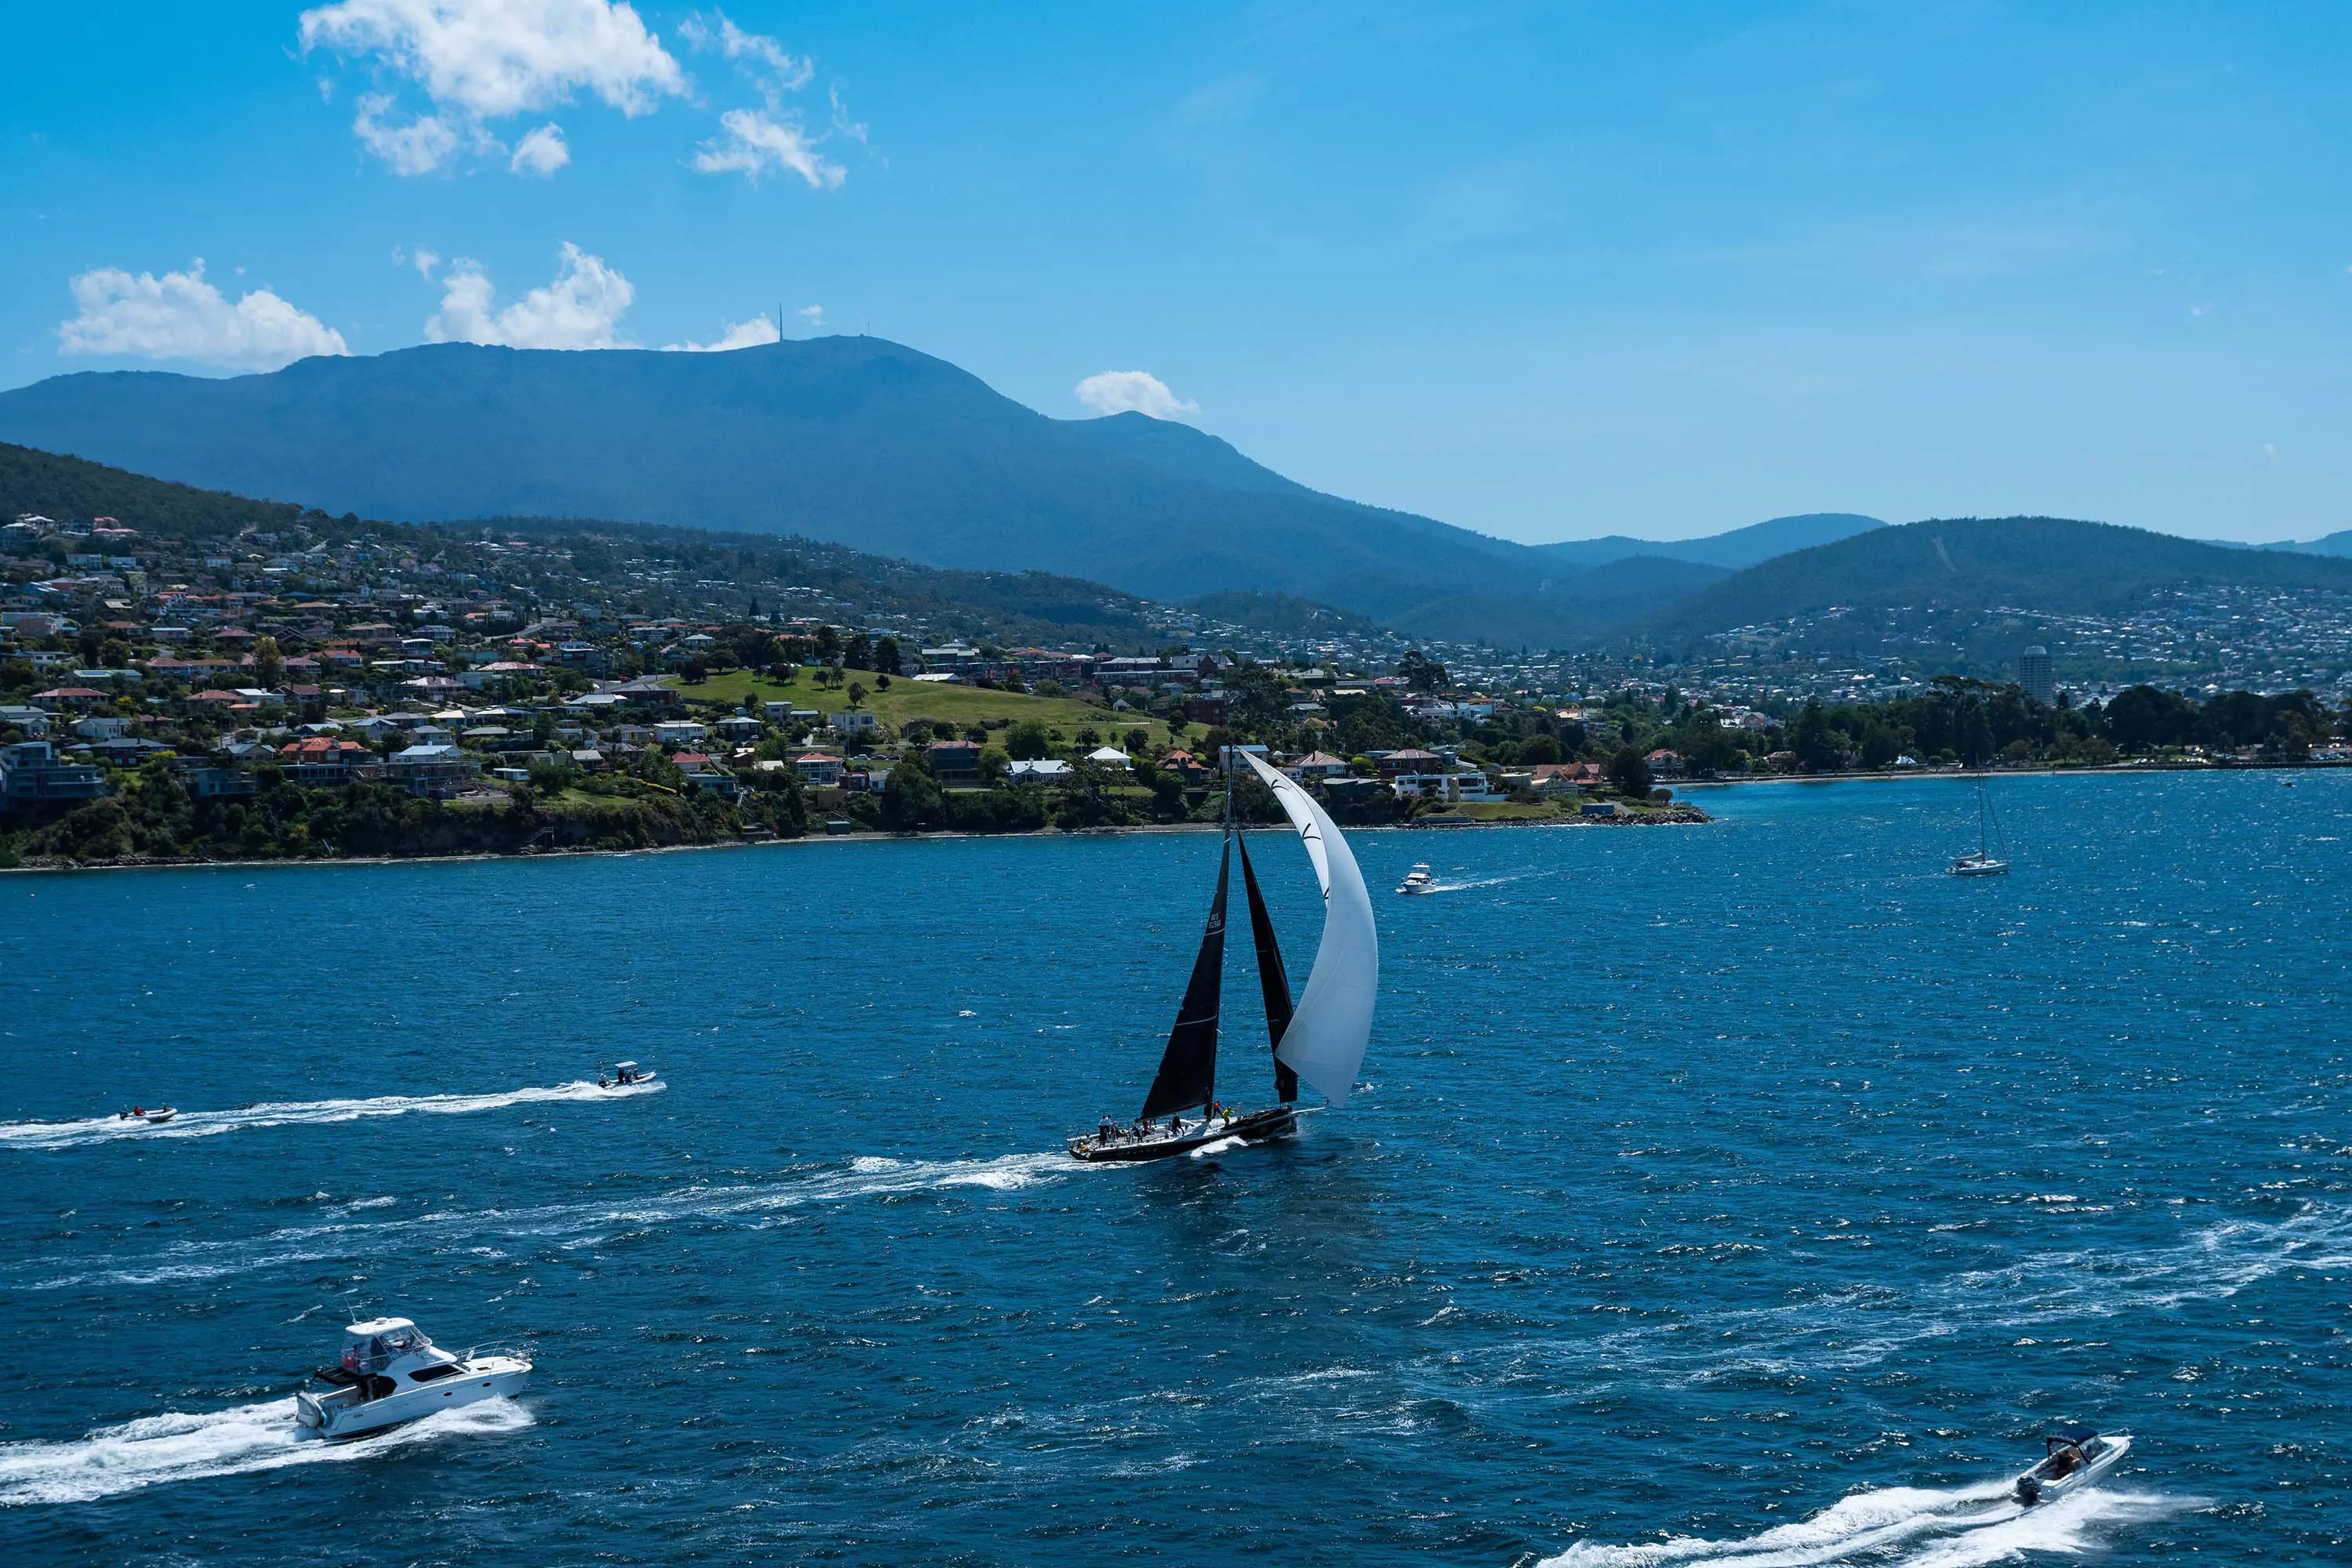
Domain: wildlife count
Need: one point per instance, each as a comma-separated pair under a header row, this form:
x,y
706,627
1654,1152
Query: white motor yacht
x,y
391,1373
625,1075
1416,881
2077,1457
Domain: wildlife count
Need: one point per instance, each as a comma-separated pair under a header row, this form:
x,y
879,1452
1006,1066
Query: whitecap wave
x,y
1912,1527
301,1114
156,1449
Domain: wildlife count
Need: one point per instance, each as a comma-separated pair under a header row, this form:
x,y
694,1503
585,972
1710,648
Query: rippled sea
x,y
1749,1193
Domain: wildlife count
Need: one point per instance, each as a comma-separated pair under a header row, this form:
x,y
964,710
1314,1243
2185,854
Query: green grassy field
x,y
907,701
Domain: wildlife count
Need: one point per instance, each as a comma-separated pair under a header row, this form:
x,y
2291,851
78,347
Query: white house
x,y
853,722
1110,757
680,732
1041,769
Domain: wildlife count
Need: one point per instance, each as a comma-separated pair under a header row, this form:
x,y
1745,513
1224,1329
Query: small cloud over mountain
x,y
1133,392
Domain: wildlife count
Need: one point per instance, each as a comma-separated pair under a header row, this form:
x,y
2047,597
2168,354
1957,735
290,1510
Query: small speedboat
x,y
625,1075
1417,882
2077,1457
391,1373
1979,865
162,1113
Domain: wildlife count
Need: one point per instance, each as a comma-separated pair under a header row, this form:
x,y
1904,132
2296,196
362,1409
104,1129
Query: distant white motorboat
x,y
391,1373
625,1075
1417,880
162,1113
1984,862
2077,1457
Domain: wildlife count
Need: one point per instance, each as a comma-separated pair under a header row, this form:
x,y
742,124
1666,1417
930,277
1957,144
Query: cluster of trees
x,y
153,815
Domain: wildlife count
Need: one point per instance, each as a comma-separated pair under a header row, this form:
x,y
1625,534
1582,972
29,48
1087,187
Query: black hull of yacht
x,y
1257,1127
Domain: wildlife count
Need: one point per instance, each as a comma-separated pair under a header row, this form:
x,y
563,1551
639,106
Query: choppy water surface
x,y
1749,1193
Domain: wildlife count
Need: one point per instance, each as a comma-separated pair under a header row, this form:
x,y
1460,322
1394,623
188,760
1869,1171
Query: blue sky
x,y
1544,271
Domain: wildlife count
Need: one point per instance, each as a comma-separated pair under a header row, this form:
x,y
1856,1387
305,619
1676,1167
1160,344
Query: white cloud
x,y
748,334
755,142
419,147
786,72
581,310
181,316
541,152
1132,391
811,314
427,260
480,60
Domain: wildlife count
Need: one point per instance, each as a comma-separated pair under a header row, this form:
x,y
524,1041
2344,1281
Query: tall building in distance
x,y
2033,674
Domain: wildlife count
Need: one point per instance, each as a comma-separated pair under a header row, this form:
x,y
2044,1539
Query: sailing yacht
x,y
1319,1041
1984,862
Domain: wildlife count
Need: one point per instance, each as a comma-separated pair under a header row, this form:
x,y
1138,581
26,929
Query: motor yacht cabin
x,y
391,1373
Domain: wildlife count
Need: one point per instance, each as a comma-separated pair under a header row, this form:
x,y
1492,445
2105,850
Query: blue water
x,y
1752,1192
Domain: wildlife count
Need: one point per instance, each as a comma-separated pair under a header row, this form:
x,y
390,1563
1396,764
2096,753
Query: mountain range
x,y
865,443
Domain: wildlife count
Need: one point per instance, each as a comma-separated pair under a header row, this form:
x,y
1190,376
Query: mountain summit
x,y
851,440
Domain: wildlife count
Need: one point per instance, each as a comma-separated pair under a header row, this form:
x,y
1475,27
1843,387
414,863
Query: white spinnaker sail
x,y
1326,1039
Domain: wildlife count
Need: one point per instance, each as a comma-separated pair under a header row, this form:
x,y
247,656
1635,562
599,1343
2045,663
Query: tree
x,y
1629,772
1817,748
994,764
886,658
1419,673
1538,749
1027,741
911,798
268,663
857,695
828,645
858,652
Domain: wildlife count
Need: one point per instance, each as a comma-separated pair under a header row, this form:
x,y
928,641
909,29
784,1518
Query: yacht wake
x,y
299,1113
1910,1526
155,1449
347,1237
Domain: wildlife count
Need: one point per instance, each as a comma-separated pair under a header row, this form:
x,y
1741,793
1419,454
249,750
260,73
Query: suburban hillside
x,y
854,440
2044,564
656,569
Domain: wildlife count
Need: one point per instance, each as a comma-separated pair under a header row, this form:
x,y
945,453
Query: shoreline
x,y
2110,770
807,839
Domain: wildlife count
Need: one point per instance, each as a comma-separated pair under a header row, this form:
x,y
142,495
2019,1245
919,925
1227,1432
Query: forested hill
x,y
851,440
69,489
2046,563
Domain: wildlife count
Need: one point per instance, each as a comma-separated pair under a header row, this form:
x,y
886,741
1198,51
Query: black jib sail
x,y
1273,981
1188,1069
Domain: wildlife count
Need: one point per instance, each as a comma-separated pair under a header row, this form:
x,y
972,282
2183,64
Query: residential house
x,y
680,732
818,768
32,721
30,771
1664,764
1412,760
851,721
740,729
1040,769
435,769
70,699
1318,765
955,762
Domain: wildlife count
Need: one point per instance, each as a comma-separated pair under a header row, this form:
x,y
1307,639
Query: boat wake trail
x,y
299,1113
155,1449
574,1224
1911,1527
1435,887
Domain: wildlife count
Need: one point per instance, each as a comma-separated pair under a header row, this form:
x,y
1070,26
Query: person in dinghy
x,y
1320,1040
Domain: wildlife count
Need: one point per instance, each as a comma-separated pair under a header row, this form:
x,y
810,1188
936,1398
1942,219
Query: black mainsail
x,y
1273,982
1188,1068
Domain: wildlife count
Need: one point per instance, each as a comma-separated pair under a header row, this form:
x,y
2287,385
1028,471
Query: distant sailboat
x,y
1320,1040
1984,862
